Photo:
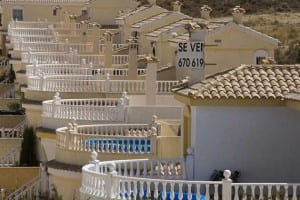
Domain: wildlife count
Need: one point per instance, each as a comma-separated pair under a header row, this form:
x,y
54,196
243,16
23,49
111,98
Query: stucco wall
x,y
261,142
14,177
8,144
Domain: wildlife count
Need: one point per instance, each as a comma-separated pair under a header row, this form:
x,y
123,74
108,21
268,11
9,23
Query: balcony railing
x,y
131,178
85,109
112,138
150,179
76,69
92,84
71,57
53,47
43,39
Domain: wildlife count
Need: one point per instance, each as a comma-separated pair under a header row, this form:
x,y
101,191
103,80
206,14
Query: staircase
x,y
15,132
28,191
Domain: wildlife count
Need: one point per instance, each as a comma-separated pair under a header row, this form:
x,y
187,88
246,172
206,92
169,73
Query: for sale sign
x,y
190,55
190,60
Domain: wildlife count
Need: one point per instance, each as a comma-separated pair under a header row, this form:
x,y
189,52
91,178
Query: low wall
x,y
81,158
7,144
169,147
144,114
5,101
10,121
14,177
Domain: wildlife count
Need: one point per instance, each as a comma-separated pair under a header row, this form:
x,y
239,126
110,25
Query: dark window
x,y
259,59
17,14
54,12
84,12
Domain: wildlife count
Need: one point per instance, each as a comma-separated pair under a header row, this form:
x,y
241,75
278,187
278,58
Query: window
x,y
259,55
259,60
84,11
17,14
54,12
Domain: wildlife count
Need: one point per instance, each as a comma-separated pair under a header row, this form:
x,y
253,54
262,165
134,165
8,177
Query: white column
x,y
108,49
151,77
132,59
226,185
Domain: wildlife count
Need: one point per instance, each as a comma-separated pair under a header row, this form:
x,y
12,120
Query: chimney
x,y
152,2
237,14
205,11
177,6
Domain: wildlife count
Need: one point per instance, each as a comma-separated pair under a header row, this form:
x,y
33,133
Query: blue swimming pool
x,y
120,145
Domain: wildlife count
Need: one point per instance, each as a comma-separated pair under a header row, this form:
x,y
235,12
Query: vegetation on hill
x,y
222,7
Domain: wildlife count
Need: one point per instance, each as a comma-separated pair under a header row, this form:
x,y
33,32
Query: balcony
x,y
77,69
164,179
115,141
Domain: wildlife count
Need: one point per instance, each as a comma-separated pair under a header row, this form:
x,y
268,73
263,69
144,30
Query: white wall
x,y
261,142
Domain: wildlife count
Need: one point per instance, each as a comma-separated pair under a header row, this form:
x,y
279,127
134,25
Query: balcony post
x,y
226,185
132,59
108,49
107,83
111,183
151,78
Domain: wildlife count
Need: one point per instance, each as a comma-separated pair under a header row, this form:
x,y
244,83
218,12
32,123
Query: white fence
x,y
85,109
90,84
76,69
71,57
15,132
53,47
133,179
112,138
128,178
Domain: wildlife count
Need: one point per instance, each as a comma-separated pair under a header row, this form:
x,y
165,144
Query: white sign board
x,y
190,60
190,55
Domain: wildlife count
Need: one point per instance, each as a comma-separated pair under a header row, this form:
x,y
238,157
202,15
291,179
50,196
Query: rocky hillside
x,y
222,7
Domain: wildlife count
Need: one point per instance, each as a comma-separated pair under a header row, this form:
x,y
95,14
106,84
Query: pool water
x,y
120,145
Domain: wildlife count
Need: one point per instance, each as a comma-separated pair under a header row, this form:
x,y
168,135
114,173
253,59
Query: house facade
x,y
256,131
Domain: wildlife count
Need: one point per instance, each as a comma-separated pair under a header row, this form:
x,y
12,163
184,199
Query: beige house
x,y
256,109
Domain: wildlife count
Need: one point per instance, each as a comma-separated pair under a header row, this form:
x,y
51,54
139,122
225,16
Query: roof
x,y
137,11
132,12
151,19
247,82
169,27
218,26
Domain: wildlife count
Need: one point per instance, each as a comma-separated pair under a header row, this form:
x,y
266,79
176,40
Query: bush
x,y
28,151
14,106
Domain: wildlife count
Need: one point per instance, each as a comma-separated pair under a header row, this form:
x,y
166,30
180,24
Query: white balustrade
x,y
61,57
111,138
165,86
84,84
53,47
27,39
76,69
15,132
120,59
85,109
142,178
90,83
134,179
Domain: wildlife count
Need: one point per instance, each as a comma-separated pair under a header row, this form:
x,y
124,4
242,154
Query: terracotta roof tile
x,y
248,81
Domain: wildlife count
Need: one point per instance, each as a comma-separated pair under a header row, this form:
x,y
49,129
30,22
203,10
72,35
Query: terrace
x,y
161,179
114,141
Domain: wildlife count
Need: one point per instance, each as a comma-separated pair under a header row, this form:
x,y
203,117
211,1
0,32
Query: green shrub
x,y
28,151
